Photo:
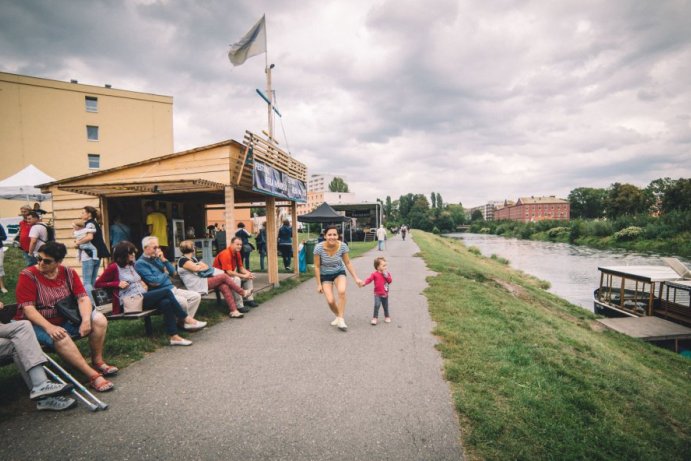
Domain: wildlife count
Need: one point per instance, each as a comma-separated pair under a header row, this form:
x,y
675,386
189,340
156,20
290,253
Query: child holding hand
x,y
381,278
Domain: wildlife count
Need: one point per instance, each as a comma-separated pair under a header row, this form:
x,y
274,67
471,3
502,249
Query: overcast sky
x,y
475,100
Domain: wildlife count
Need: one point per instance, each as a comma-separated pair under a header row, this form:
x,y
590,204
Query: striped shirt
x,y
331,264
34,289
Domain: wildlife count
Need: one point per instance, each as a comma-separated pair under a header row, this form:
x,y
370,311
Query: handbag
x,y
133,304
68,307
208,272
247,248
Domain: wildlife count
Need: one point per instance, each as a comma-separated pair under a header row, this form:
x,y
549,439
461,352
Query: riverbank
x,y
533,377
604,235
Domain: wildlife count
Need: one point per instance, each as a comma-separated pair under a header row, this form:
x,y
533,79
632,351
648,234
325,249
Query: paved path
x,y
280,384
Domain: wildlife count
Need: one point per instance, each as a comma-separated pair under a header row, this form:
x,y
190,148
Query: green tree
x,y
625,200
677,196
433,196
476,215
388,208
656,191
587,203
440,203
338,185
457,213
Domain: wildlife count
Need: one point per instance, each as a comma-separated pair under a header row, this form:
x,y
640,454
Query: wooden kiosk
x,y
255,173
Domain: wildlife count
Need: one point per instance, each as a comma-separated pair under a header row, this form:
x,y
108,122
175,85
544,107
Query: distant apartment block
x,y
67,129
527,209
318,193
487,209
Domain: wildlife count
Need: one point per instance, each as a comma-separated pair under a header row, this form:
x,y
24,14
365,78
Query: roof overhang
x,y
155,187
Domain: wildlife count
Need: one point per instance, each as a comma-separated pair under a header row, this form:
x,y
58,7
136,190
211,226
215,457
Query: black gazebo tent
x,y
322,214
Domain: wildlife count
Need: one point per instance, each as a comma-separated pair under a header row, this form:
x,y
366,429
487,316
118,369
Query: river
x,y
570,269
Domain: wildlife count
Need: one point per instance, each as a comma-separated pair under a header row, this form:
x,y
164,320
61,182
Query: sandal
x,y
104,387
236,315
105,369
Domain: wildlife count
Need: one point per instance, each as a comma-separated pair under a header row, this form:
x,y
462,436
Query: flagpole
x,y
269,93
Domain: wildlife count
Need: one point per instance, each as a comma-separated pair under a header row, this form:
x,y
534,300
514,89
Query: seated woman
x,y
39,288
189,268
126,283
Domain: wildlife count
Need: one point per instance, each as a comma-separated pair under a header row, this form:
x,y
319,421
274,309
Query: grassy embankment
x,y
533,377
126,341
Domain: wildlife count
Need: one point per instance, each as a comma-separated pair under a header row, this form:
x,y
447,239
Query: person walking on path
x,y
285,243
330,263
381,237
381,278
261,245
404,230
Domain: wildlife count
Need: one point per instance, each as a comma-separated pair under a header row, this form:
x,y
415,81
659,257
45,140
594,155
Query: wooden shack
x,y
183,185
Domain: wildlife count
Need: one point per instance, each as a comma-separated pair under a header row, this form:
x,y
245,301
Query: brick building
x,y
528,209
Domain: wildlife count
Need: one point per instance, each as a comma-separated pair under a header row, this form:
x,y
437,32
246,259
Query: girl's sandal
x,y
105,369
236,315
105,385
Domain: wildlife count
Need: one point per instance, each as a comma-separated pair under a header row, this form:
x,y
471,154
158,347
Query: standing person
x,y
381,237
230,261
23,235
39,288
94,235
404,230
38,234
127,285
285,243
243,235
261,245
156,270
330,263
381,278
119,232
189,268
3,236
157,226
18,341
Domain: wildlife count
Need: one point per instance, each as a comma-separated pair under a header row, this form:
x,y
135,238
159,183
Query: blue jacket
x,y
285,235
151,271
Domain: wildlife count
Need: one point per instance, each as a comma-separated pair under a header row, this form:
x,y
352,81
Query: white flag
x,y
252,44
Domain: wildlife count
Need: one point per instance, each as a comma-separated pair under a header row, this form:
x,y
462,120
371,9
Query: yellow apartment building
x,y
69,129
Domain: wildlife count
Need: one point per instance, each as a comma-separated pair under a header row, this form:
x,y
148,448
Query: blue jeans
x,y
381,301
380,243
29,259
89,274
164,300
44,338
262,256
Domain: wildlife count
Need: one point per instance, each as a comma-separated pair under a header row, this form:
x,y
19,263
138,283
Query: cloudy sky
x,y
475,100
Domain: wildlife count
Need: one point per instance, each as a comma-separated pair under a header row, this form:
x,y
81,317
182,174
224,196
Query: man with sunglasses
x,y
155,270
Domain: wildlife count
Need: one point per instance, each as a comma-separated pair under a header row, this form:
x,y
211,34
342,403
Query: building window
x,y
92,133
91,103
94,161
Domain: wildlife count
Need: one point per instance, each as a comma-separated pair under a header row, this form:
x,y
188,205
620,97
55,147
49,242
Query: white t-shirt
x,y
40,233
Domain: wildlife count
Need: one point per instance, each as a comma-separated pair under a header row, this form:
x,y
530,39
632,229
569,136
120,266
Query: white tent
x,y
21,186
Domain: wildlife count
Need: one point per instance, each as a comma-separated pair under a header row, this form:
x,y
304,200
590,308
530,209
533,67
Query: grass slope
x,y
533,378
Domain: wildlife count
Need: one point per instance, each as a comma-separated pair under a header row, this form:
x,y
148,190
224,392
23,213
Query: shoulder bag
x,y
68,307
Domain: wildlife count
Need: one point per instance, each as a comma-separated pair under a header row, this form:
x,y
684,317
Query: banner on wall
x,y
271,181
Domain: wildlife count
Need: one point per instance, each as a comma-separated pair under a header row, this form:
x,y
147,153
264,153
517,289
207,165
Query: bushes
x,y
628,234
556,232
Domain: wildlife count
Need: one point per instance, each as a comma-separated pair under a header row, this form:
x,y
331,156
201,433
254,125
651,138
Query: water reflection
x,y
571,270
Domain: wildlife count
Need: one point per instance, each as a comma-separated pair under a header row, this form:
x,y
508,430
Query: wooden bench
x,y
103,299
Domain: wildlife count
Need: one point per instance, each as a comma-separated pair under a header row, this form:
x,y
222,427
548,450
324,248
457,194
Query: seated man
x,y
18,340
155,270
230,261
39,289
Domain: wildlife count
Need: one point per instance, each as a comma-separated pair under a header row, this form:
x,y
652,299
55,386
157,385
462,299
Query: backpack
x,y
50,230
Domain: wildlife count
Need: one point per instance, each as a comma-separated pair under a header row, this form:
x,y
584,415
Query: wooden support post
x,y
272,241
105,226
229,213
296,256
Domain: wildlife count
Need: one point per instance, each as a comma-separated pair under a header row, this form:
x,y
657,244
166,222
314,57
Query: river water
x,y
571,270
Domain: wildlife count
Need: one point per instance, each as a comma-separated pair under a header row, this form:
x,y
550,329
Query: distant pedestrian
x,y
261,245
404,230
381,237
247,247
285,243
23,235
381,278
330,263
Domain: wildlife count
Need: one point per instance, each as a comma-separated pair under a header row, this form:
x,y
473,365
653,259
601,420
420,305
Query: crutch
x,y
93,406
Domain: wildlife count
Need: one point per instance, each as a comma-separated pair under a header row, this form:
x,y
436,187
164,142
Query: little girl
x,y
86,250
381,278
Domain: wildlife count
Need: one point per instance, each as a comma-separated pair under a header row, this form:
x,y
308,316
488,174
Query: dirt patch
x,y
515,290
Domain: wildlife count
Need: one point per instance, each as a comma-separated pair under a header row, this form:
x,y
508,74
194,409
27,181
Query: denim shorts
x,y
329,278
44,338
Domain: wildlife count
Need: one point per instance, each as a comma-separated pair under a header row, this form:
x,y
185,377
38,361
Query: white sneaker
x,y
342,325
4,290
58,403
334,322
48,389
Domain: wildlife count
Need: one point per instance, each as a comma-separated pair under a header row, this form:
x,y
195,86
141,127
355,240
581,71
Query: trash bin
x,y
309,251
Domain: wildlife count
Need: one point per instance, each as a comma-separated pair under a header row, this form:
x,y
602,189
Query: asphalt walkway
x,y
280,384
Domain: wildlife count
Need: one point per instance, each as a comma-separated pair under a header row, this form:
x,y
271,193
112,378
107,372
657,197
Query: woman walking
x,y
330,263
